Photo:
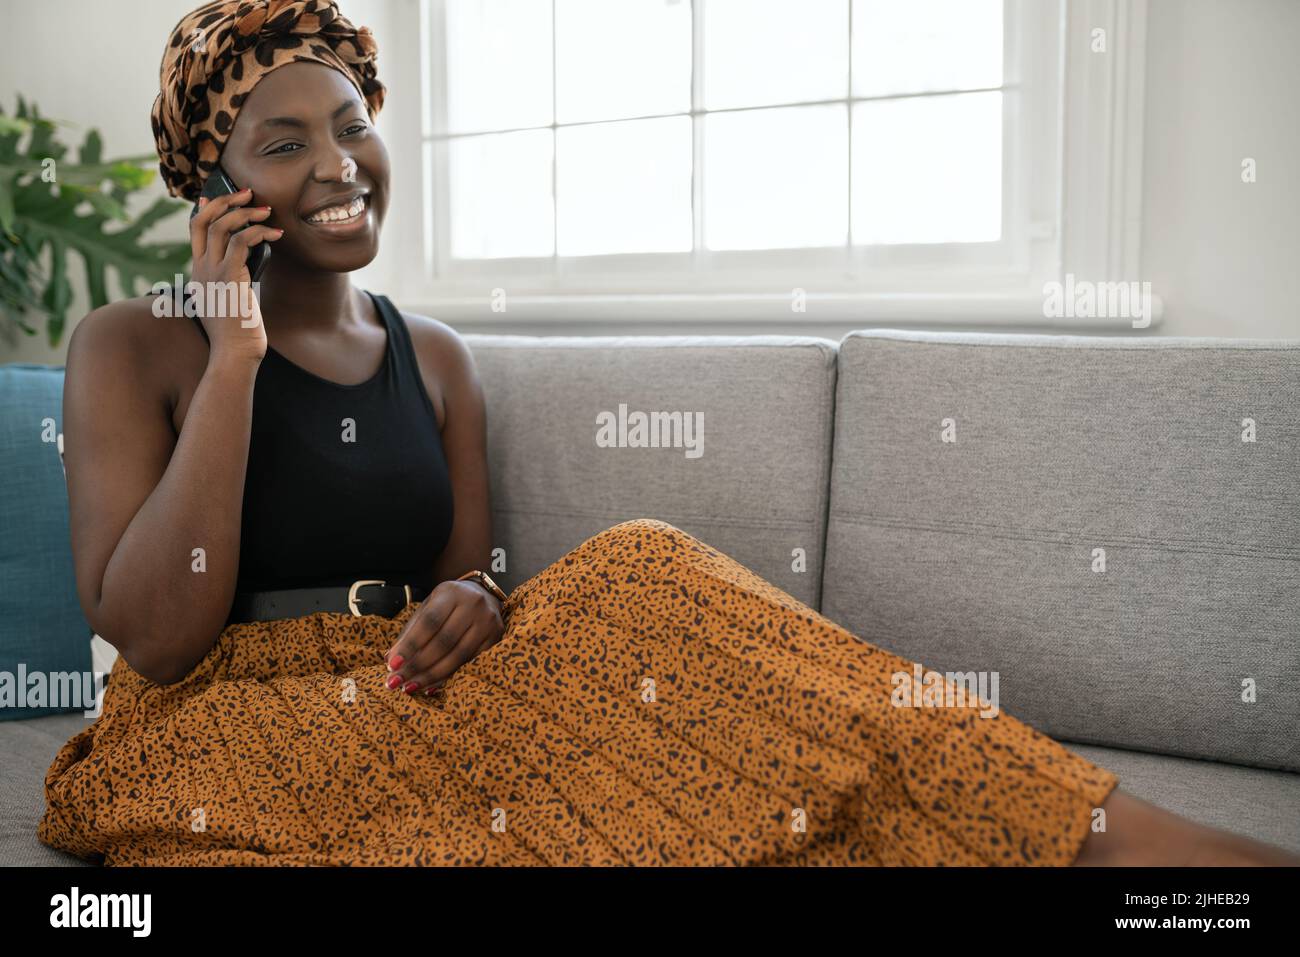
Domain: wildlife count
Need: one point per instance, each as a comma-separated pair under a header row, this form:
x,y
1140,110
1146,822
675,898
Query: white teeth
x,y
339,213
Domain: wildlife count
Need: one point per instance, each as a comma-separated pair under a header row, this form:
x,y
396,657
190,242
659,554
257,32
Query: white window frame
x,y
1081,214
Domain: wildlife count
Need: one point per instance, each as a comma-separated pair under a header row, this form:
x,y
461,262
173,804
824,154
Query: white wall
x,y
1222,80
1223,83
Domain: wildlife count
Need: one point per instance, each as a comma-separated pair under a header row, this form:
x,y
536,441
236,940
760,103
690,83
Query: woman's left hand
x,y
457,621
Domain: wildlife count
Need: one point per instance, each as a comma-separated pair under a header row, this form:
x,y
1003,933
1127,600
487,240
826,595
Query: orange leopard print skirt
x,y
652,702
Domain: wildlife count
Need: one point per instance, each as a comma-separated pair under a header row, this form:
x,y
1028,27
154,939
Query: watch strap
x,y
488,584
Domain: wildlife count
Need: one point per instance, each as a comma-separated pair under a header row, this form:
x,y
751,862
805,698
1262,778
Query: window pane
x,y
928,169
498,64
625,187
760,52
621,59
500,187
776,178
922,45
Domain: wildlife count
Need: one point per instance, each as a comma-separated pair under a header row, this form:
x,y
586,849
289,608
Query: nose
x,y
336,166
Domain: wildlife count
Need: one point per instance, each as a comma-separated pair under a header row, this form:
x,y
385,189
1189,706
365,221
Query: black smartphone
x,y
219,184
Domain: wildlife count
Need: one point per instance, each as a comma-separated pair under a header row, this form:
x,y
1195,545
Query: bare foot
x,y
1138,833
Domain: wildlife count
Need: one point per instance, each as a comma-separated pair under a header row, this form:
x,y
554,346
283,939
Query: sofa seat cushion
x,y
29,748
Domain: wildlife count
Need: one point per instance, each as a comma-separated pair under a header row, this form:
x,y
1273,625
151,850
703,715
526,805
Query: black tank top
x,y
344,481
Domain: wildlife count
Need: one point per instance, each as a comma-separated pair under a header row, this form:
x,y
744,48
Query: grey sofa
x,y
824,468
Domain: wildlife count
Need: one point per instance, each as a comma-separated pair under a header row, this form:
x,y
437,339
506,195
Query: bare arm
x,y
464,441
142,500
155,518
459,619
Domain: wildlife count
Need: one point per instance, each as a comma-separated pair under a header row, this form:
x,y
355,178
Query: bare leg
x,y
1139,833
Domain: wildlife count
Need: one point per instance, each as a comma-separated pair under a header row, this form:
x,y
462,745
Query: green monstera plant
x,y
49,204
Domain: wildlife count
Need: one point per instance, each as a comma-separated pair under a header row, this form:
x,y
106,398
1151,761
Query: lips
x,y
343,227
342,209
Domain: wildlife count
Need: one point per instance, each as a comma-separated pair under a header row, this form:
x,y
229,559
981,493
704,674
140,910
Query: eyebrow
x,y
295,122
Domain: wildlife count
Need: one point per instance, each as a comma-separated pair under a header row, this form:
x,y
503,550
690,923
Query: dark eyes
x,y
284,148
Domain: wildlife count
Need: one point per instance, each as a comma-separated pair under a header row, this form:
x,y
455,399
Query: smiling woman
x,y
323,171
281,524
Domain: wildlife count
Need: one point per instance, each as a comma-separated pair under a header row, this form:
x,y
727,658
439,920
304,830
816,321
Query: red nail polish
x,y
394,681
395,662
410,687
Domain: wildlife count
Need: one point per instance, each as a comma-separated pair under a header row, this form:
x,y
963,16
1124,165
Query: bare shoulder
x,y
442,345
124,321
115,338
127,341
447,365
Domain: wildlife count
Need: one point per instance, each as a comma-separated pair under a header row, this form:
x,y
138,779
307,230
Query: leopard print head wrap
x,y
219,52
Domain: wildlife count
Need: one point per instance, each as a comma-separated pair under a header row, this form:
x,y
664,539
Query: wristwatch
x,y
483,579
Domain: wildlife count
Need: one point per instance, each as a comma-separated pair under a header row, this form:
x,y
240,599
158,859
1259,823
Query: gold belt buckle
x,y
361,583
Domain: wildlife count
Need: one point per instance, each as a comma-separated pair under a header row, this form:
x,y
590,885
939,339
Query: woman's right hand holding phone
x,y
220,247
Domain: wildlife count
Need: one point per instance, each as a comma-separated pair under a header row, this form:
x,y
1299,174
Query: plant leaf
x,y
75,215
58,291
91,150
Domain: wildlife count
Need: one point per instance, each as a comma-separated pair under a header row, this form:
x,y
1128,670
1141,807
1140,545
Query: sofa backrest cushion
x,y
1179,458
44,639
756,490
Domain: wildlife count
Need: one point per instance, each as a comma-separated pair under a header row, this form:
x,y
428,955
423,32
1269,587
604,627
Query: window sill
x,y
977,310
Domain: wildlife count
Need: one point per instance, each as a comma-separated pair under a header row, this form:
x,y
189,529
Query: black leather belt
x,y
362,597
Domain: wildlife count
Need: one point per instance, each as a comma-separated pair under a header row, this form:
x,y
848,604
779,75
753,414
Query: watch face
x,y
492,586
482,578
